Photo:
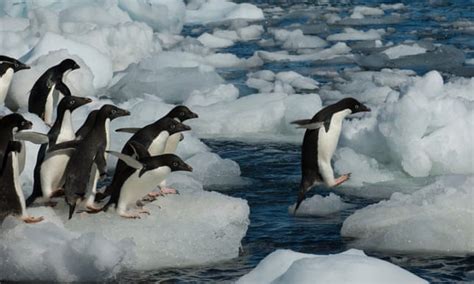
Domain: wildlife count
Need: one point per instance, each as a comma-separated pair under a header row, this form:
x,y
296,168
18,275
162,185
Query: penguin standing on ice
x,y
48,173
153,137
8,66
12,200
320,142
41,98
87,156
144,173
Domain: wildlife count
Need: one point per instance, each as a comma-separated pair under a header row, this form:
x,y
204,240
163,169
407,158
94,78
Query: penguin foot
x,y
31,219
91,209
57,193
167,190
130,215
51,203
154,194
342,179
144,211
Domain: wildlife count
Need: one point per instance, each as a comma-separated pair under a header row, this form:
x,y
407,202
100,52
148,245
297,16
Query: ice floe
x,y
318,205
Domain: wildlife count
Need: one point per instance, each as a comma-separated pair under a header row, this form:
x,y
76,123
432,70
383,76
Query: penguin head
x,y
173,126
354,105
172,161
68,64
71,103
16,122
14,64
181,113
112,112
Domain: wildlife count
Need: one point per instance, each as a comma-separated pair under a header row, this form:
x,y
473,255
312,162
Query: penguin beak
x,y
124,113
364,108
183,127
193,115
86,101
23,67
187,168
76,66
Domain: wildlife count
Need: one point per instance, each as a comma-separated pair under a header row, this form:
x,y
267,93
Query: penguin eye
x,y
72,102
181,114
172,126
175,164
356,106
114,111
16,65
22,123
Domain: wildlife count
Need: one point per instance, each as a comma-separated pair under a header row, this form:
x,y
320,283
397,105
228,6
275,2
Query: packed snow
x,y
352,266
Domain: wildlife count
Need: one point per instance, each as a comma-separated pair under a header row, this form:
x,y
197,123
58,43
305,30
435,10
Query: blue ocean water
x,y
273,168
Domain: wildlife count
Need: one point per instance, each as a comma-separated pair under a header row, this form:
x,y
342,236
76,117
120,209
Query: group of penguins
x,y
71,163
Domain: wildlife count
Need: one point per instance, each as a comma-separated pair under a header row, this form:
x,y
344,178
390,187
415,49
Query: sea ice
x,y
436,218
287,266
202,12
353,34
318,205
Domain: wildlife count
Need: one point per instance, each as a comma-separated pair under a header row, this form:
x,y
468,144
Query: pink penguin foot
x,y
31,219
144,211
167,190
91,209
340,180
130,215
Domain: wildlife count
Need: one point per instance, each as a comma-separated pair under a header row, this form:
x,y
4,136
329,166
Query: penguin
x,y
88,125
153,137
86,156
144,173
12,200
48,173
320,142
41,97
8,66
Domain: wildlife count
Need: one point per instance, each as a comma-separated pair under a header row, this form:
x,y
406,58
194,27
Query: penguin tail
x,y
72,208
301,197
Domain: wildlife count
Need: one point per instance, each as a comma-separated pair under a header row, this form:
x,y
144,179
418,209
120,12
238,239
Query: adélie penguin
x,y
145,172
41,100
12,200
8,66
87,156
153,137
48,174
320,142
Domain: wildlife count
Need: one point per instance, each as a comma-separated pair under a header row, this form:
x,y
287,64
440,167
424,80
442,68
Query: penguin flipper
x,y
65,145
301,197
131,130
139,150
33,137
60,86
308,124
127,160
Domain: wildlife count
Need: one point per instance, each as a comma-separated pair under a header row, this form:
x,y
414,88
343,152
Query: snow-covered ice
x,y
318,205
436,218
352,266
220,10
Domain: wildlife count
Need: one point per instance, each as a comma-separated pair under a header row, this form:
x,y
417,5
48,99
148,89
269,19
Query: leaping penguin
x,y
12,200
8,66
41,97
87,156
144,173
48,173
320,142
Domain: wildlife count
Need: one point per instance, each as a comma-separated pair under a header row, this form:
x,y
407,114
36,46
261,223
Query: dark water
x,y
273,168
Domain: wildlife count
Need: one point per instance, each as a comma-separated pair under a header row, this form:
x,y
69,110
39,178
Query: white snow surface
x,y
318,205
206,11
352,266
436,218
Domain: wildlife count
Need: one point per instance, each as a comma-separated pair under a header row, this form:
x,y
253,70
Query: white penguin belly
x,y
48,108
52,173
157,146
135,188
172,143
327,143
66,133
5,82
17,183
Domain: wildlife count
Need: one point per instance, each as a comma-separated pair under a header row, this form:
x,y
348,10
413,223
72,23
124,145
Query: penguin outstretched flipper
x,y
131,130
308,124
33,137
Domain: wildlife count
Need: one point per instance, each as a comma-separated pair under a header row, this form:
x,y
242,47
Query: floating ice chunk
x,y
286,266
437,218
161,15
227,34
201,12
396,6
297,40
49,252
266,75
363,169
221,93
403,50
79,81
255,116
339,49
251,32
213,41
353,34
210,169
296,80
360,12
262,86
318,205
195,227
99,64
